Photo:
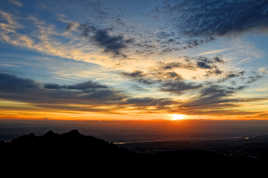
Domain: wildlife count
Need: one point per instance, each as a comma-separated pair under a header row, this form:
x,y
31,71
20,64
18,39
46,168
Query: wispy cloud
x,y
214,52
16,3
8,24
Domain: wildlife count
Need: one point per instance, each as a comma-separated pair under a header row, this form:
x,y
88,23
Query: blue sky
x,y
134,59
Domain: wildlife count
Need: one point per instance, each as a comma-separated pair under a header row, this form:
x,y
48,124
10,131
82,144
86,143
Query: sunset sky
x,y
133,59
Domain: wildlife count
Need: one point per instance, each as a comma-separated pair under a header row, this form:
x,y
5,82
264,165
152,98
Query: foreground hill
x,y
73,150
61,148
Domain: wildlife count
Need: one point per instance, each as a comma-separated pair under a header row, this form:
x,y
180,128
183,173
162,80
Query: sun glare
x,y
176,117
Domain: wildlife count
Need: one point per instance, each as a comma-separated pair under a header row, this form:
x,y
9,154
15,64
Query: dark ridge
x,y
73,133
50,134
74,150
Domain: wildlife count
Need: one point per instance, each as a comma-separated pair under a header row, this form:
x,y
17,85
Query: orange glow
x,y
176,117
21,110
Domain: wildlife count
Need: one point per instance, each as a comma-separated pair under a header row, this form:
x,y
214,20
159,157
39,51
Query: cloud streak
x,y
87,95
26,90
16,3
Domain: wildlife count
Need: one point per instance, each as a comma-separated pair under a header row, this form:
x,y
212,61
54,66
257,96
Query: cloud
x,y
203,65
48,39
213,97
217,51
179,87
88,96
91,96
174,65
140,77
97,43
7,23
254,78
232,75
135,74
150,102
241,77
193,63
206,63
87,85
16,3
166,81
103,38
115,25
263,70
210,97
173,75
221,97
71,26
218,18
210,65
165,76
11,83
26,90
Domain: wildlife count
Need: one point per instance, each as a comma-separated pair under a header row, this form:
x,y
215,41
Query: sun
x,y
176,117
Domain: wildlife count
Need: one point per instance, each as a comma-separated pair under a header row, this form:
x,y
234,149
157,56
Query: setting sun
x,y
176,117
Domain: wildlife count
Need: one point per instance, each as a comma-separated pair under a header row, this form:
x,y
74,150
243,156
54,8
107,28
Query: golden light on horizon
x,y
177,117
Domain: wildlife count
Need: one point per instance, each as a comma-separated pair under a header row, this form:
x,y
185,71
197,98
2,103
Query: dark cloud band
x,y
63,96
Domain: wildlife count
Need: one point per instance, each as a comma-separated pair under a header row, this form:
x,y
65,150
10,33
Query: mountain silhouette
x,y
73,150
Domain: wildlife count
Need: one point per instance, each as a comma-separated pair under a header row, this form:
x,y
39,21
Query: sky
x,y
134,60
